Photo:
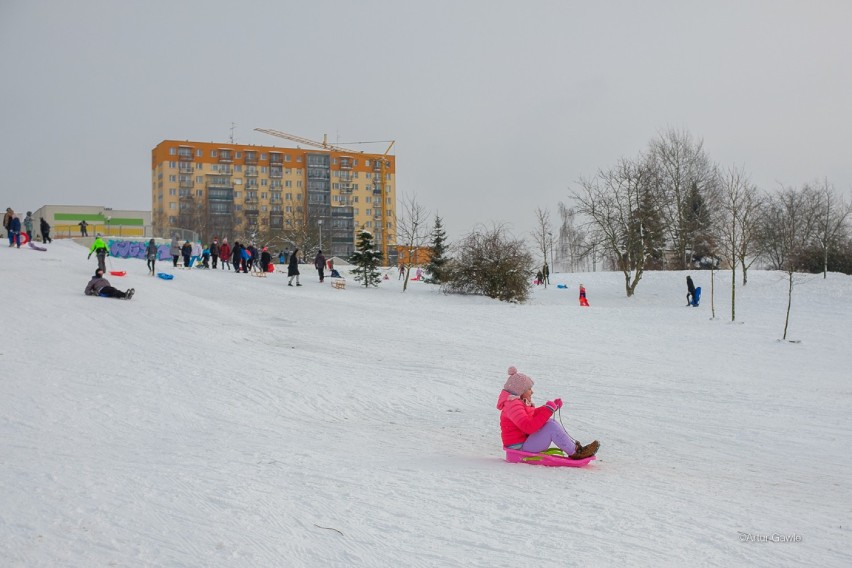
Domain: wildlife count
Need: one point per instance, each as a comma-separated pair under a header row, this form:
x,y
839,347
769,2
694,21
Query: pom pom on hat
x,y
518,383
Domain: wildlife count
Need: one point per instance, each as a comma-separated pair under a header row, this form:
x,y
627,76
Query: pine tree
x,y
366,260
436,267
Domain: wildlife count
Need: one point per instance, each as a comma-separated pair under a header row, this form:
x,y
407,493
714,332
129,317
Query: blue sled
x,y
696,297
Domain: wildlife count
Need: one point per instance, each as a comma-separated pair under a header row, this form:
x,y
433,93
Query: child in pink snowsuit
x,y
524,426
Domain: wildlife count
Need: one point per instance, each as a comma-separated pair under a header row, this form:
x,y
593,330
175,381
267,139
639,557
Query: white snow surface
x,y
227,420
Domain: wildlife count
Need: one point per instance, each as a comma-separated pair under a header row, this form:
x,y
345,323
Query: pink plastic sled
x,y
553,457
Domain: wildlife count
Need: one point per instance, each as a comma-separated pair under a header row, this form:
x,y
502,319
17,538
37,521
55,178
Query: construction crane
x,y
384,163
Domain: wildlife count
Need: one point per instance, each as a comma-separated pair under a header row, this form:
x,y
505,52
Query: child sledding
x,y
528,431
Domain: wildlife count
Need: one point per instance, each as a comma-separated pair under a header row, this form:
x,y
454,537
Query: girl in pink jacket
x,y
532,429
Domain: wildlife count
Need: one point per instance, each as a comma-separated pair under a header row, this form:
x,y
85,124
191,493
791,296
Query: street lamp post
x,y
319,223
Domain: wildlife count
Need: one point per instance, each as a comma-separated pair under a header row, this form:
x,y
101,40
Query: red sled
x,y
118,272
553,457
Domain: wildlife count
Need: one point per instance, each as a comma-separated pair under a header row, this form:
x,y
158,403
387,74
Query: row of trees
x,y
672,208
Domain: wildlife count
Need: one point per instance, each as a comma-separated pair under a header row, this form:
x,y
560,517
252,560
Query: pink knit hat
x,y
518,383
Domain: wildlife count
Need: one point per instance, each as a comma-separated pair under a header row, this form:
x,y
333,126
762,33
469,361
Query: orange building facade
x,y
235,190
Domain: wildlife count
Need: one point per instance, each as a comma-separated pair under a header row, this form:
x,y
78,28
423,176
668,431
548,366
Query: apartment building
x,y
237,190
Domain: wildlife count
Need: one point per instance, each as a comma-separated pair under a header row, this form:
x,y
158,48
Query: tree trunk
x,y
734,292
745,272
789,302
712,292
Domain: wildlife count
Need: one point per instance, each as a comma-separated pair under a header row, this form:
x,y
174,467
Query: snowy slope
x,y
227,420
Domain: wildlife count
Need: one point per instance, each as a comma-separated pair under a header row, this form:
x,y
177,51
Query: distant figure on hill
x,y
15,231
293,267
84,228
225,254
690,291
151,255
214,252
583,301
186,252
99,286
99,247
174,250
28,225
265,260
319,264
45,231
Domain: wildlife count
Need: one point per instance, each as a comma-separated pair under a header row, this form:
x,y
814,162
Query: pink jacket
x,y
517,420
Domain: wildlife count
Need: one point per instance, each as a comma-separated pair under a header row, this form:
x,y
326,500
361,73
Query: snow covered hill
x,y
227,420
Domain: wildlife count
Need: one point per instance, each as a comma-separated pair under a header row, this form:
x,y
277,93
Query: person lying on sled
x,y
99,286
528,428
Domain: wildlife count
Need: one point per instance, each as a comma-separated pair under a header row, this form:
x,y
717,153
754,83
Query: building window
x,y
172,151
263,182
199,153
213,153
238,168
199,166
239,155
172,205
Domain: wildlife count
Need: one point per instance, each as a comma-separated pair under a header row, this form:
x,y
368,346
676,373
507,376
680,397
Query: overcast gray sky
x,y
487,100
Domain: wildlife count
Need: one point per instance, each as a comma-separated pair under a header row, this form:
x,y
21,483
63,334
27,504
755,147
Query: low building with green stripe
x,y
65,220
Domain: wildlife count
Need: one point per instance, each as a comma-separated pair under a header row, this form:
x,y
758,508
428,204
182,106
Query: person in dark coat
x,y
84,228
690,291
186,251
265,260
237,256
99,286
15,231
151,255
214,251
293,268
45,231
319,264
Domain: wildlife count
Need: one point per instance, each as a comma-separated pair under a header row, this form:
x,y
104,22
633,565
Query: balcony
x,y
251,158
185,184
345,163
276,159
220,194
251,210
225,157
185,168
219,182
185,156
252,172
276,172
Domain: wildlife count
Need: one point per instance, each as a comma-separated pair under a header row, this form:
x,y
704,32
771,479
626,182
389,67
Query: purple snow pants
x,y
552,431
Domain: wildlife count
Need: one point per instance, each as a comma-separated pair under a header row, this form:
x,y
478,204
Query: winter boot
x,y
586,451
130,293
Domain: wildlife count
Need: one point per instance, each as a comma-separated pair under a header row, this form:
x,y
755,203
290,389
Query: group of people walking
x,y
12,225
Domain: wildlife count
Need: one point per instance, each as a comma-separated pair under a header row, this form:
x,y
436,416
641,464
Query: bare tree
x,y
683,171
735,226
543,237
788,225
573,242
831,219
621,217
412,232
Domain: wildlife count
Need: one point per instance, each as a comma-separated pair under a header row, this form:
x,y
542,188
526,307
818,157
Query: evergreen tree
x,y
436,267
366,260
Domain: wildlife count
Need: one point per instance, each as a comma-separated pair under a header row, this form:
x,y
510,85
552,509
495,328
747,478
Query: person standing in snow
x,y
186,252
265,260
15,231
237,256
28,225
45,231
174,250
523,426
151,255
583,301
225,254
196,253
319,264
84,228
99,247
214,252
99,286
293,267
690,291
